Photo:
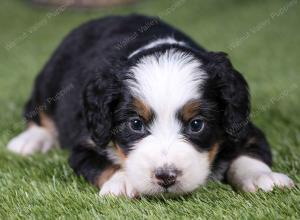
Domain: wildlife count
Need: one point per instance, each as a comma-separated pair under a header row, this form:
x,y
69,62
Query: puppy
x,y
145,110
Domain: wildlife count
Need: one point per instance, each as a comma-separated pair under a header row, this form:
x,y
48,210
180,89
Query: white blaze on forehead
x,y
168,81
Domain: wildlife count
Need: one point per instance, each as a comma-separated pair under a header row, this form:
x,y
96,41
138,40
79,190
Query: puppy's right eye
x,y
137,125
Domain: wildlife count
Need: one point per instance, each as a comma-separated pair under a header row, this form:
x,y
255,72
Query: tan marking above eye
x,y
190,110
142,109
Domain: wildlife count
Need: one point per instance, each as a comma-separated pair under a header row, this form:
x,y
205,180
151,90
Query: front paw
x,y
265,181
118,185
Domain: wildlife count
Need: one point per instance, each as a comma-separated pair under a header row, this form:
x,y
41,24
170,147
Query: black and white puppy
x,y
144,110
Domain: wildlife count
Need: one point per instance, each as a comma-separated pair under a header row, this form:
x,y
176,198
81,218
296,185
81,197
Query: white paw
x,y
118,185
32,140
265,181
249,175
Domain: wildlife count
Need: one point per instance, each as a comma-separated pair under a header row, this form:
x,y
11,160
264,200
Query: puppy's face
x,y
165,130
166,115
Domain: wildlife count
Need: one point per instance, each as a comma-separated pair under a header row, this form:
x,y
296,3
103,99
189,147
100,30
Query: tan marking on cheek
x,y
120,153
213,152
106,175
190,110
142,109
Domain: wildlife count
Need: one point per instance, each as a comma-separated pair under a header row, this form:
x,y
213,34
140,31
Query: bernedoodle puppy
x,y
145,110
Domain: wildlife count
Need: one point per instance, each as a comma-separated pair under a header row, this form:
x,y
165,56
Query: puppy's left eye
x,y
137,125
196,125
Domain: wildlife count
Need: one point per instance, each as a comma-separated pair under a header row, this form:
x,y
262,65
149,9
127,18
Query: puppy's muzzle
x,y
166,176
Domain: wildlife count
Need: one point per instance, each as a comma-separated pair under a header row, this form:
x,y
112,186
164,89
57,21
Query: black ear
x,y
233,94
100,98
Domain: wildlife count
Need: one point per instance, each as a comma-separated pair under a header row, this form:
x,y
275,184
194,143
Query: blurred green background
x,y
262,39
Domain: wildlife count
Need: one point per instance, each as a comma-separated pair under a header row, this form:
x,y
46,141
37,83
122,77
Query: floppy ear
x,y
233,93
99,99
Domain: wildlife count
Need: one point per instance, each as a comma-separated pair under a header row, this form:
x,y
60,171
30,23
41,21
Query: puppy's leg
x,y
250,172
99,170
35,138
118,185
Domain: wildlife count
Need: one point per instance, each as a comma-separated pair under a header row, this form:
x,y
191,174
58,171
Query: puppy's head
x,y
166,115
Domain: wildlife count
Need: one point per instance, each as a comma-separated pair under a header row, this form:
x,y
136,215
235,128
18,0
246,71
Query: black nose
x,y
166,176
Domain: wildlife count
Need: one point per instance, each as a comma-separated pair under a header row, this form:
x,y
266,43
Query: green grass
x,y
267,52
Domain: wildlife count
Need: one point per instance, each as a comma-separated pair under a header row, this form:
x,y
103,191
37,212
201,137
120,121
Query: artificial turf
x,y
262,39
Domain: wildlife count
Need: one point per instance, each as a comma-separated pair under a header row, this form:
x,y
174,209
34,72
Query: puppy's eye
x,y
196,125
136,125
